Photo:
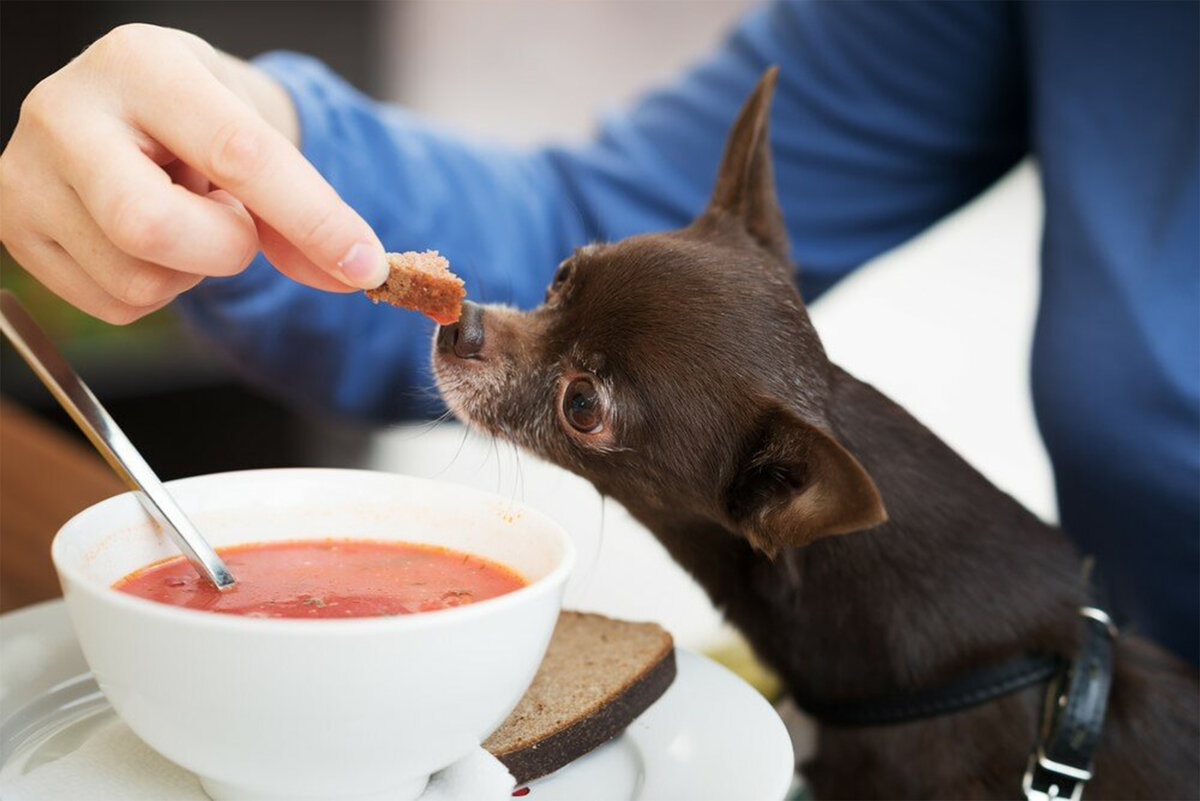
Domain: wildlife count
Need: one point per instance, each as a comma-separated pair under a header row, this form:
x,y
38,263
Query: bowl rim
x,y
555,578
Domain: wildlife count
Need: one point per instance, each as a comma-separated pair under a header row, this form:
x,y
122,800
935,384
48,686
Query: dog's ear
x,y
745,187
796,484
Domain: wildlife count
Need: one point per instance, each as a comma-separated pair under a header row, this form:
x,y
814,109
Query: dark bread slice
x,y
598,675
422,281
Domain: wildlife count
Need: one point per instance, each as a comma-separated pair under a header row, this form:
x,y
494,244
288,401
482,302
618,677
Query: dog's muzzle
x,y
464,338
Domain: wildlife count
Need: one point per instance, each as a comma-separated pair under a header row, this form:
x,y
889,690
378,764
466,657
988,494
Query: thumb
x,y
238,211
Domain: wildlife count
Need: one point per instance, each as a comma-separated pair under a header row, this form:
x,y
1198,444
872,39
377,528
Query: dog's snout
x,y
465,338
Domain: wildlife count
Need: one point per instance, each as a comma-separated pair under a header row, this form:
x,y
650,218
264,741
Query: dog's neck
x,y
959,577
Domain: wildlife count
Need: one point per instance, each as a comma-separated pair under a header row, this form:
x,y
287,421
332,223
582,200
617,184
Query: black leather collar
x,y
964,692
1073,716
1073,712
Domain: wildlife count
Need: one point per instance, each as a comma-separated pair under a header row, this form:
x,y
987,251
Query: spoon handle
x,y
104,433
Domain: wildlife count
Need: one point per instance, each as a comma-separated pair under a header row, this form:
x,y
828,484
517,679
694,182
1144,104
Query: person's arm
x,y
501,216
887,117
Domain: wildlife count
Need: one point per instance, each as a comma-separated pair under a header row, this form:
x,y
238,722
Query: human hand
x,y
152,161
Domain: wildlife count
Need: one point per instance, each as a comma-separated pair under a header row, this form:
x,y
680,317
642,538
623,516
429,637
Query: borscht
x,y
328,578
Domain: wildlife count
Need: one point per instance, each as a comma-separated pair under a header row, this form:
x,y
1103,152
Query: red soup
x,y
328,578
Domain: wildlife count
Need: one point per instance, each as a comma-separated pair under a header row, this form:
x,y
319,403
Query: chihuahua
x,y
858,554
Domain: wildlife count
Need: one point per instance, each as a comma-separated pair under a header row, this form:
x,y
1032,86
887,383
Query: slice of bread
x,y
598,675
422,281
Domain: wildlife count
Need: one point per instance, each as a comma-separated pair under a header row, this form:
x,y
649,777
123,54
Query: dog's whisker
x,y
583,577
519,476
457,452
476,436
494,450
427,427
520,470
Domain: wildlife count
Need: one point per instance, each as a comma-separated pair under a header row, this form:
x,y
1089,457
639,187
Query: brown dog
x,y
680,374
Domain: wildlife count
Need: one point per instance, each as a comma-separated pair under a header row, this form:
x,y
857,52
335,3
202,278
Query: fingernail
x,y
364,265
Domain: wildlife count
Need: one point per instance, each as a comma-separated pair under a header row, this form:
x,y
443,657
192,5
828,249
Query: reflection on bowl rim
x,y
327,626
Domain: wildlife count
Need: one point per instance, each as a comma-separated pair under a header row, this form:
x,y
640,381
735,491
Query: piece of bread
x,y
422,281
598,675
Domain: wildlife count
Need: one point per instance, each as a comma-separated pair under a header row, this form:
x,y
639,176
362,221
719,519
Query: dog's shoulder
x,y
1151,742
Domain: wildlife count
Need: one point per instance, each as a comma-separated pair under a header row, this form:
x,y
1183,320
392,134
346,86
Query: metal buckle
x,y
1047,780
1101,617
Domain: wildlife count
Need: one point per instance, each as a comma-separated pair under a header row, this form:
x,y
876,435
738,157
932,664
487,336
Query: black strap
x,y
973,689
1073,715
1084,687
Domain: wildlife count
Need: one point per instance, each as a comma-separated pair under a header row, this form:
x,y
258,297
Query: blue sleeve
x,y
888,116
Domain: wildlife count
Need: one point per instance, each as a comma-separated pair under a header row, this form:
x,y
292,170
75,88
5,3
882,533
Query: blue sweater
x,y
888,117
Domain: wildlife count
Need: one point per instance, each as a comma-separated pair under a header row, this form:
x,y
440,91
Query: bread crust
x,y
422,282
530,755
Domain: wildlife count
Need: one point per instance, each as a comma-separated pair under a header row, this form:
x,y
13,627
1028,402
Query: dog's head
x,y
677,371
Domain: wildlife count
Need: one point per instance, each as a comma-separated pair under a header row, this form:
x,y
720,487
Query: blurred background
x,y
942,324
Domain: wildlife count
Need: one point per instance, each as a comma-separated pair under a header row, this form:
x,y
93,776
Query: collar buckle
x,y
1100,616
1047,780
1073,715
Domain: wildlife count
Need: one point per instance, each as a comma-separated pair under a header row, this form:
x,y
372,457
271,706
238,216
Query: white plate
x,y
710,736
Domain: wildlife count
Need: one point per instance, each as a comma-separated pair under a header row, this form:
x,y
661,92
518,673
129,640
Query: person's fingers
x,y
284,256
52,236
225,199
50,264
188,177
134,282
151,218
209,127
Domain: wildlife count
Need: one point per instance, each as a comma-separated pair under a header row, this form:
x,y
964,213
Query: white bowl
x,y
360,708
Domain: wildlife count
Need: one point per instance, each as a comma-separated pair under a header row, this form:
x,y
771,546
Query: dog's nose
x,y
465,338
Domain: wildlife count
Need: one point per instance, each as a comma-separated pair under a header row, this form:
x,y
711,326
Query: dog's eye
x,y
561,274
581,406
560,277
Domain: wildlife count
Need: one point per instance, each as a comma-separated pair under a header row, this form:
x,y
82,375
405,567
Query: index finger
x,y
207,125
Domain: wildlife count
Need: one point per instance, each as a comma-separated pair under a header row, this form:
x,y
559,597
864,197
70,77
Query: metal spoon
x,y
74,396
